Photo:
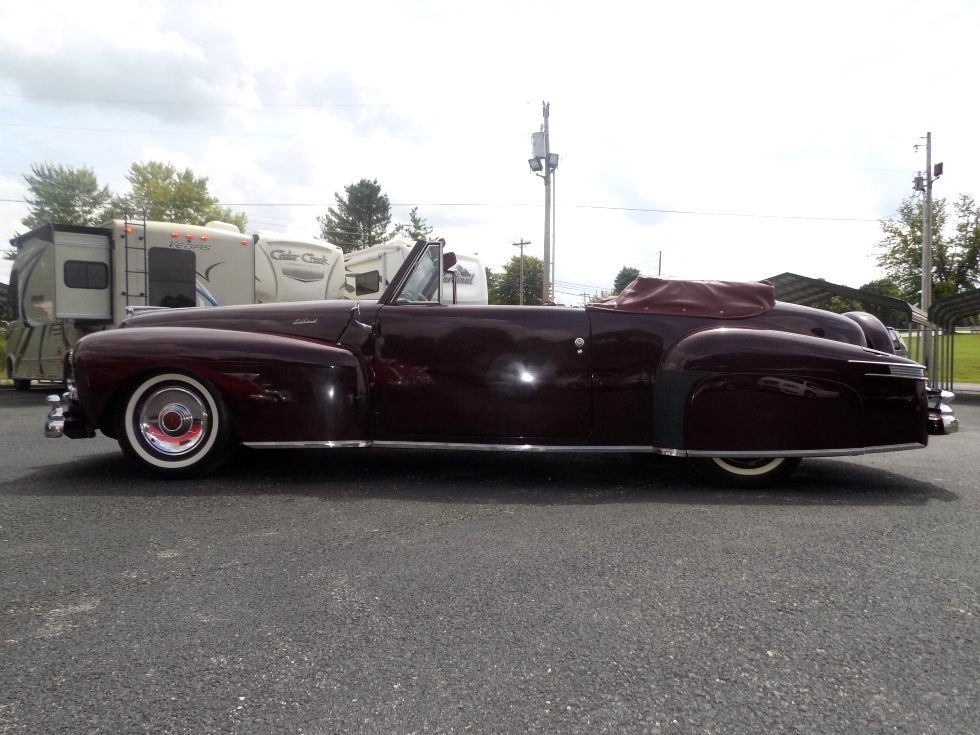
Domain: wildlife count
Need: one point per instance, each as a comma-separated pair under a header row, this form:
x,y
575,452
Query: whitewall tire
x,y
745,472
175,424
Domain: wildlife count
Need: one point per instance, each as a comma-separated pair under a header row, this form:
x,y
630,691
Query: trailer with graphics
x,y
68,281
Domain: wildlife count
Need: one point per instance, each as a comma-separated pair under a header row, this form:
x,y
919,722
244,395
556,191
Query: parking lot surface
x,y
372,591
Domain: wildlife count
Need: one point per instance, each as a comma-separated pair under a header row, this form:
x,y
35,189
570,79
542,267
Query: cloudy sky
x,y
732,140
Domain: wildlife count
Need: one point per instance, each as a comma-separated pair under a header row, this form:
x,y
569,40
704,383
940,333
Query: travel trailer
x,y
370,270
68,281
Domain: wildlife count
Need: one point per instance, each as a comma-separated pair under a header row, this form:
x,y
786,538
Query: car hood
x,y
318,320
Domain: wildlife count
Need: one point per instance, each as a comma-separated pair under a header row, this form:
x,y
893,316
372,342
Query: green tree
x,y
491,286
966,241
902,245
360,219
506,288
168,195
837,304
416,229
598,296
624,278
66,195
889,317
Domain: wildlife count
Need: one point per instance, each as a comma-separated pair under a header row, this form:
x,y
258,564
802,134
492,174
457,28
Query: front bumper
x,y
54,427
941,417
63,417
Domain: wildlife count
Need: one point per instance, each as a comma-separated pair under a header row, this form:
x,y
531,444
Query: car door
x,y
480,373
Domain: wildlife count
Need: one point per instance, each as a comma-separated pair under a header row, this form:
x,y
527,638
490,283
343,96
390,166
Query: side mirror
x,y
448,261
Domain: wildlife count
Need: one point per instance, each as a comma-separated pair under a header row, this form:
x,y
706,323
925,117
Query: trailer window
x,y
172,276
86,274
365,283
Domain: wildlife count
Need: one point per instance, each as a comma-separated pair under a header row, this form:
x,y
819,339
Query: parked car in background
x,y
898,344
679,368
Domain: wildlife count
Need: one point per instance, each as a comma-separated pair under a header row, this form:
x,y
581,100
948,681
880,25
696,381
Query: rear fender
x,y
742,390
875,333
275,388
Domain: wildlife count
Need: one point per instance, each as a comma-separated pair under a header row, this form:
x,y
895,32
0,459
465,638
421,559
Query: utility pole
x,y
931,174
546,290
554,208
927,253
542,159
521,245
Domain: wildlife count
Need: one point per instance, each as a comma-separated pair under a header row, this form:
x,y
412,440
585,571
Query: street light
x,y
535,164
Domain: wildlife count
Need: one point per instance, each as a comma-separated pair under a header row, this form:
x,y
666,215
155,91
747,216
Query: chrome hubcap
x,y
173,421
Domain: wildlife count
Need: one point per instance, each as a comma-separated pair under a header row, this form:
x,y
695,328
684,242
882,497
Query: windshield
x,y
422,286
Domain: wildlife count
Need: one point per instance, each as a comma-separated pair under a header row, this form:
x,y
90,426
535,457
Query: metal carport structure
x,y
797,289
944,314
942,317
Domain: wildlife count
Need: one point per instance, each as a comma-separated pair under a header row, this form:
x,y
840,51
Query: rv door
x,y
82,278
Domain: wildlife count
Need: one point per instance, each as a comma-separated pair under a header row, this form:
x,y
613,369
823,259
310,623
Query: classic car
x,y
680,368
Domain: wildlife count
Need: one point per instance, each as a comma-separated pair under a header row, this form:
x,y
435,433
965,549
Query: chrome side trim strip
x,y
510,447
880,362
445,445
904,377
622,449
307,445
850,452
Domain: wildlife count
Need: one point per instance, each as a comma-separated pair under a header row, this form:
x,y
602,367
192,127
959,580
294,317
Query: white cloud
x,y
714,108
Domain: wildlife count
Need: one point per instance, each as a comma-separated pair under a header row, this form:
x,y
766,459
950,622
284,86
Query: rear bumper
x,y
941,417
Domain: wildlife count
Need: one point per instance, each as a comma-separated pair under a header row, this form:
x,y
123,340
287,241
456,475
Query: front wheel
x,y
746,473
175,425
22,384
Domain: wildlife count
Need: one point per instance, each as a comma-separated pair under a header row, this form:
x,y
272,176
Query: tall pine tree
x,y
360,219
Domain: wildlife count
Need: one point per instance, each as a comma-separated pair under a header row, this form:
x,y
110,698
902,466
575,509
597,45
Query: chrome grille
x,y
916,372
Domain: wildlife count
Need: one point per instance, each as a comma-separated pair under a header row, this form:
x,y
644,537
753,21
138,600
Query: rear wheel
x,y
22,384
745,472
175,425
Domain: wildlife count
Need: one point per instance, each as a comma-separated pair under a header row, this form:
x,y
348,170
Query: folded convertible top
x,y
717,299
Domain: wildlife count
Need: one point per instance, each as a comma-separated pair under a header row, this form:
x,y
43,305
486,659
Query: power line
x,y
316,105
312,105
573,206
188,132
720,214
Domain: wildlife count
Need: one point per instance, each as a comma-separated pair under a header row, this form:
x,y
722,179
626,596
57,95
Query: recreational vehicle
x,y
370,270
68,281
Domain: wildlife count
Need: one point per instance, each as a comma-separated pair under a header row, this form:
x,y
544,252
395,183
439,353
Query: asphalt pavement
x,y
373,591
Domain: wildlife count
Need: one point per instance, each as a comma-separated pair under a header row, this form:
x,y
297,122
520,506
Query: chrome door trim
x,y
307,445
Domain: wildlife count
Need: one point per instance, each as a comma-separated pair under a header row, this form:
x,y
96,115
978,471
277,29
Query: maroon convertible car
x,y
717,372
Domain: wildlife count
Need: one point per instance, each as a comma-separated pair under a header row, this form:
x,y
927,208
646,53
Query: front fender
x,y
275,388
742,390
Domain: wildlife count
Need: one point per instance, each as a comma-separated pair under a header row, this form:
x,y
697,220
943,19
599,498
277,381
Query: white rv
x,y
291,269
369,271
68,281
